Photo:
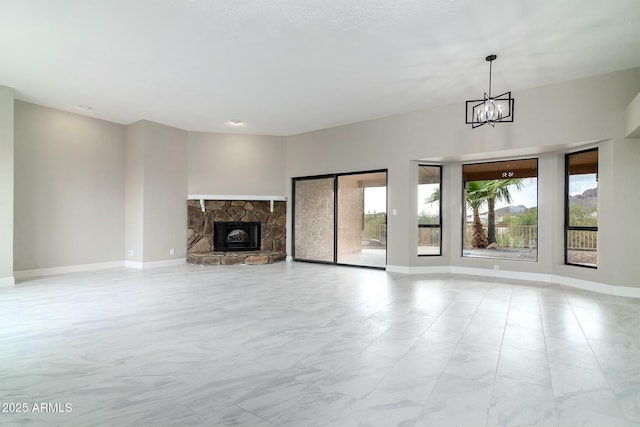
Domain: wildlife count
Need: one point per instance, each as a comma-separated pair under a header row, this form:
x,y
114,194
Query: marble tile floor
x,y
297,344
367,257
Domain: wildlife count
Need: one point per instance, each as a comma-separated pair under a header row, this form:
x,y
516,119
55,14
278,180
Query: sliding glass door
x,y
314,210
362,219
341,219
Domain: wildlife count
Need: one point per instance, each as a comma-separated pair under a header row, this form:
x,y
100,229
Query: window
x,y
581,209
501,205
429,210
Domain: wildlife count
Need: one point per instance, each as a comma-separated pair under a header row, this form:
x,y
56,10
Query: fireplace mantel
x,y
203,197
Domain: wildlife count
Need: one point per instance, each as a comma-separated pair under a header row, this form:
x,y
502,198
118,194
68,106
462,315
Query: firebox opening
x,y
236,236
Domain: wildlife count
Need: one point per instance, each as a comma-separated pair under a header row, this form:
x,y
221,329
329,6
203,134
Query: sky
x,y
579,183
527,196
375,199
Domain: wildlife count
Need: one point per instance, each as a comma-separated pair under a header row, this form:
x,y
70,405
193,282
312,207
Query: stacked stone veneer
x,y
200,231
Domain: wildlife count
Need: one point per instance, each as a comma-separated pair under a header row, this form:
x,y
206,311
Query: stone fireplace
x,y
236,232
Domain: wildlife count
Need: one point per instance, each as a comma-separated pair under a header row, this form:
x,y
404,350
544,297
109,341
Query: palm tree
x,y
428,218
435,196
498,190
477,195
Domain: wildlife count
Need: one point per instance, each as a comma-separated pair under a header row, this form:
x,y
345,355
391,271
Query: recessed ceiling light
x,y
236,122
84,107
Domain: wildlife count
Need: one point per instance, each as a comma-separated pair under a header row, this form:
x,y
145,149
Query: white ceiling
x,y
290,66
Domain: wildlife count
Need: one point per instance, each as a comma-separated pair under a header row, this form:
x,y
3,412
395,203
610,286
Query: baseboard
x,y
155,264
620,291
133,264
502,274
625,291
7,281
418,270
603,288
26,274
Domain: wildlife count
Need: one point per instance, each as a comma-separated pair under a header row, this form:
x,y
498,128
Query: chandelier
x,y
491,109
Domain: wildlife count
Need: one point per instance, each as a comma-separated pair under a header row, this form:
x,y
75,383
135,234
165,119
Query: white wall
x,y
134,193
69,189
6,186
632,118
156,208
236,164
625,220
549,121
165,189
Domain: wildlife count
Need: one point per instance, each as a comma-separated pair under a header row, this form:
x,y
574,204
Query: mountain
x,y
511,210
508,210
588,199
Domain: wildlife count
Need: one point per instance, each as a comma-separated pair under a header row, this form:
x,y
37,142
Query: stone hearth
x,y
231,258
200,233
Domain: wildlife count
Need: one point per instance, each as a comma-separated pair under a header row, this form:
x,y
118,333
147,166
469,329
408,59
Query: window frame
x,y
439,225
536,159
567,226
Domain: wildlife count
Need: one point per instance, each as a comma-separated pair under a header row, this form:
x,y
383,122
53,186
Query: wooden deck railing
x,y
526,236
513,236
375,232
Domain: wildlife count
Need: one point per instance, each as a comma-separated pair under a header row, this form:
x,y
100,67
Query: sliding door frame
x,y
335,177
293,216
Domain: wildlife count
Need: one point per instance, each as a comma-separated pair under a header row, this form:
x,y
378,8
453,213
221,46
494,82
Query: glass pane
x,y
314,219
429,241
501,210
428,194
362,219
583,189
582,208
582,247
